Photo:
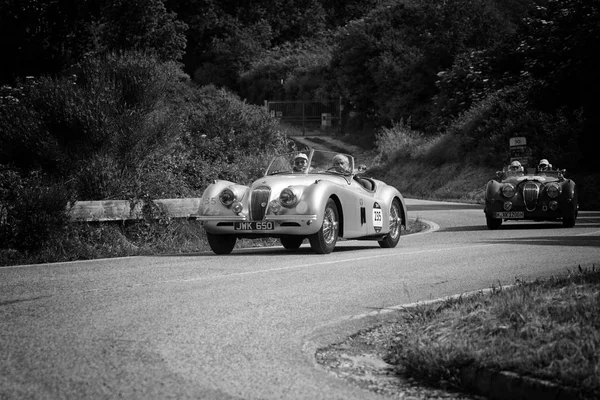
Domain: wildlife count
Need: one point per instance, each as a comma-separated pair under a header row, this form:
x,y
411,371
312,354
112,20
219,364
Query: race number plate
x,y
509,214
254,226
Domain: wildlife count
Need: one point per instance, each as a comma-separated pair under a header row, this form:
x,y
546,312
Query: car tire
x,y
291,242
493,223
569,221
393,237
323,242
221,244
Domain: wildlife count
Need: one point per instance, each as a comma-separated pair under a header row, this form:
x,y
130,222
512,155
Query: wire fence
x,y
311,116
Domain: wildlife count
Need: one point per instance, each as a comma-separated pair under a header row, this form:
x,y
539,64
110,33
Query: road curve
x,y
245,326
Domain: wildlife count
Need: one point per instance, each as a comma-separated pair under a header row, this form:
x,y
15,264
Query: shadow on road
x,y
573,241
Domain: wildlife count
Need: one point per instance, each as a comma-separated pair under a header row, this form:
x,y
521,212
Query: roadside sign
x,y
519,150
518,141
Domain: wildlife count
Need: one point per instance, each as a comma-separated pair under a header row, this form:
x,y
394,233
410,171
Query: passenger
x,y
544,165
515,166
300,163
341,164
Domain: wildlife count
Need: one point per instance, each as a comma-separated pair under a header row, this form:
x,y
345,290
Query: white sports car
x,y
314,194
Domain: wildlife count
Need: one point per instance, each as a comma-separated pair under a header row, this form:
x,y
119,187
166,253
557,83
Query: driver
x,y
300,163
544,165
341,163
515,166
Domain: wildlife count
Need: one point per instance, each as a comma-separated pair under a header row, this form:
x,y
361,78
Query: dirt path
x,y
330,143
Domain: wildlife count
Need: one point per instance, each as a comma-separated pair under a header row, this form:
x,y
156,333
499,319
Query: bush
x,y
33,211
228,138
401,142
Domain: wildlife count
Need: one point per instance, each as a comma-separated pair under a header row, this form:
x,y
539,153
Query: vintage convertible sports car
x,y
304,195
530,195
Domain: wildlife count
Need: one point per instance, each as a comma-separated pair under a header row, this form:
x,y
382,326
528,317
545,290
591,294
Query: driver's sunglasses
x,y
300,161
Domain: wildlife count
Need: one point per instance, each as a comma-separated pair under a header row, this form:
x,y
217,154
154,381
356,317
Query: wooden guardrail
x,y
122,210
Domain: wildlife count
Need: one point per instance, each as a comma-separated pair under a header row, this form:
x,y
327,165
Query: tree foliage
x,y
141,25
41,37
386,64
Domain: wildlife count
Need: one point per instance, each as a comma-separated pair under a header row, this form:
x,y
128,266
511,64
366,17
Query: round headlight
x,y
553,190
227,197
508,190
288,198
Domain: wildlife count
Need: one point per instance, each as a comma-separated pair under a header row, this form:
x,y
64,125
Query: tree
x,y
142,25
43,37
387,63
560,45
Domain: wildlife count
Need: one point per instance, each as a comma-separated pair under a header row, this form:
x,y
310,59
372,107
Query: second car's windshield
x,y
311,162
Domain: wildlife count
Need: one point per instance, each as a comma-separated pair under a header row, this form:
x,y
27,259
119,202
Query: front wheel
x,y
221,244
291,242
569,220
493,223
323,242
393,236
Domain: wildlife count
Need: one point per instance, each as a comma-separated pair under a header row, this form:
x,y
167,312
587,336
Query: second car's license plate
x,y
509,214
254,226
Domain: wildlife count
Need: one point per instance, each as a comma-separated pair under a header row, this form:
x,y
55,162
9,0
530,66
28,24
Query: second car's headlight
x,y
288,197
227,197
553,190
508,190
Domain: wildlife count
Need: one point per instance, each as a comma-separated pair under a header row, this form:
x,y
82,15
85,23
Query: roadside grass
x,y
545,329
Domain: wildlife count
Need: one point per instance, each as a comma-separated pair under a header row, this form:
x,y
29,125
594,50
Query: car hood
x,y
278,182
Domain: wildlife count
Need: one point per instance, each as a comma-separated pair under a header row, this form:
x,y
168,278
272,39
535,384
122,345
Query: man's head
x,y
300,162
515,166
544,165
341,162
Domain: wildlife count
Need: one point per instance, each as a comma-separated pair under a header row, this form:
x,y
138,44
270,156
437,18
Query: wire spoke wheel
x,y
323,242
395,224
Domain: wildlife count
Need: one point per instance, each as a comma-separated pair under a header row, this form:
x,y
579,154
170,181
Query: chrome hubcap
x,y
394,221
330,226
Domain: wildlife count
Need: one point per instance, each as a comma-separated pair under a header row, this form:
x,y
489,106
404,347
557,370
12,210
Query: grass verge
x,y
546,329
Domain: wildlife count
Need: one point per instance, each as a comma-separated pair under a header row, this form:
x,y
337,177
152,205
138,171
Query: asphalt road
x,y
245,326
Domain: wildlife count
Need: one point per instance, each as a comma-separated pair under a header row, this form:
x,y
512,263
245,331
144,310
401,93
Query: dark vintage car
x,y
305,195
530,195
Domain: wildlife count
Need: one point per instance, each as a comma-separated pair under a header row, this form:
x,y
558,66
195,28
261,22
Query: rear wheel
x,y
393,237
291,242
323,242
493,223
221,244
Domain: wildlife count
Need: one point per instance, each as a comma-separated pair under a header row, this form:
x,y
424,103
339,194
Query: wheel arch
x,y
338,205
403,211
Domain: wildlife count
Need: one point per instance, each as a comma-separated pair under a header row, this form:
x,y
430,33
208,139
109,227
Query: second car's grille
x,y
531,192
259,201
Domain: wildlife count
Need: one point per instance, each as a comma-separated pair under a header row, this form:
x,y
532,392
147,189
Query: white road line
x,y
589,233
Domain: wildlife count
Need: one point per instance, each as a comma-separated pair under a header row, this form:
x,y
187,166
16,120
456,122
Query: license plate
x,y
254,226
509,214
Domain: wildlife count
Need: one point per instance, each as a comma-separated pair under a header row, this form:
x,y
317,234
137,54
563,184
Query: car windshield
x,y
312,162
553,173
510,173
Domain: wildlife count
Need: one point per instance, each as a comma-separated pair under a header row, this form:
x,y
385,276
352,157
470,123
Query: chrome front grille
x,y
531,192
258,202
